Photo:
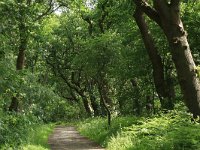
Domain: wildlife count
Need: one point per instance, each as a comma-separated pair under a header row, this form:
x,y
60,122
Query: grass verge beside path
x,y
172,131
38,138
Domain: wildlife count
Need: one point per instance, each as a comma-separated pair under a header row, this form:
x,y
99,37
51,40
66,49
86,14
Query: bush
x,y
14,128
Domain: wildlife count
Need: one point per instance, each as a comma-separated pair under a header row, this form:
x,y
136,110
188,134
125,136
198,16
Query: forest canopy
x,y
74,59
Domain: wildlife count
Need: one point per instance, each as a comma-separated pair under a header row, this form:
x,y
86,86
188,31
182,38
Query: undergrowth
x,y
23,132
38,138
14,129
172,131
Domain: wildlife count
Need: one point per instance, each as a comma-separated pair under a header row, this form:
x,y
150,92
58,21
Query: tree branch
x,y
103,16
49,10
162,7
148,10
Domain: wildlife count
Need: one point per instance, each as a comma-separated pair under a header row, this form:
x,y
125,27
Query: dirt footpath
x,y
68,138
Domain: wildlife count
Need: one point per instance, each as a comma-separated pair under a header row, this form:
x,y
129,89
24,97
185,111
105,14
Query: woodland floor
x,y
68,138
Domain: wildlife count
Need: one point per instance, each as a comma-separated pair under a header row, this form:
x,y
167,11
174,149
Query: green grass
x,y
97,129
38,138
172,131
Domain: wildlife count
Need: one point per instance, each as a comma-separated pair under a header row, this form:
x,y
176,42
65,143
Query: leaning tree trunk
x,y
158,68
104,98
94,103
167,15
182,57
185,66
86,104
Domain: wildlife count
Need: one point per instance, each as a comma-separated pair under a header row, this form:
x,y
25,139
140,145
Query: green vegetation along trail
x,y
68,138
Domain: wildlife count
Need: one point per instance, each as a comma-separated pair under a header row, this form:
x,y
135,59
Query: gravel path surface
x,y
68,138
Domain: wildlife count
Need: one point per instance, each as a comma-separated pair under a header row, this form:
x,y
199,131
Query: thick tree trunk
x,y
167,15
185,67
182,57
158,68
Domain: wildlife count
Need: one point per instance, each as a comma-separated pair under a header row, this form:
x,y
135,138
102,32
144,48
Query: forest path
x,y
68,138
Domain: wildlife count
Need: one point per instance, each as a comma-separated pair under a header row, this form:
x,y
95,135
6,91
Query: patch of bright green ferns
x,y
172,131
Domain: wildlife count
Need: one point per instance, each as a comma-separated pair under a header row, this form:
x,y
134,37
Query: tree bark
x,y
182,57
86,105
94,103
185,67
167,16
161,85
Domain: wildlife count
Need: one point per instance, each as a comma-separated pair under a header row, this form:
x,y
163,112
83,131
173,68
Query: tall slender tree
x,y
24,8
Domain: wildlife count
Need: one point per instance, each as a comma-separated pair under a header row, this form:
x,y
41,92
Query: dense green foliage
x,y
38,138
172,131
14,129
26,130
62,61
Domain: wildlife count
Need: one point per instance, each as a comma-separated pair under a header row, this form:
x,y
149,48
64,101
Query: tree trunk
x,y
20,62
86,105
158,68
182,57
20,59
185,67
94,105
167,15
104,99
